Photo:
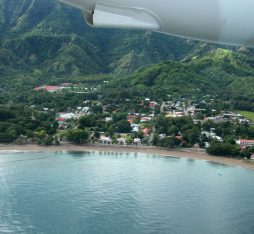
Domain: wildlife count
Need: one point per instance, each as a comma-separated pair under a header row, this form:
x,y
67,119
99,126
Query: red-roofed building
x,y
131,118
146,131
153,104
60,119
48,88
62,122
245,143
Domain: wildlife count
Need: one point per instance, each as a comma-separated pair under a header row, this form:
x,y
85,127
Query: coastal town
x,y
87,113
171,122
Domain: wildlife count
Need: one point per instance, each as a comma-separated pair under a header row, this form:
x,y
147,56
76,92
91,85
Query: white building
x,y
135,127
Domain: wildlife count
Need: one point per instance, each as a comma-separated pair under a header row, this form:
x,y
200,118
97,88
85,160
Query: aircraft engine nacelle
x,y
221,21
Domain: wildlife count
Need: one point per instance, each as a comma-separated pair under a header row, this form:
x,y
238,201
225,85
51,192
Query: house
x,y
146,131
62,122
218,138
135,127
243,121
169,114
121,141
67,116
108,119
245,143
137,141
105,140
153,104
61,119
205,133
162,136
145,119
207,145
211,135
131,118
86,109
178,114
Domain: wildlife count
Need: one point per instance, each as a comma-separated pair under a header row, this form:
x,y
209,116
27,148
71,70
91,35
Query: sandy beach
x,y
185,153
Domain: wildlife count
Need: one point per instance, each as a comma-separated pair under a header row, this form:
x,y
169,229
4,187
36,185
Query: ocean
x,y
109,192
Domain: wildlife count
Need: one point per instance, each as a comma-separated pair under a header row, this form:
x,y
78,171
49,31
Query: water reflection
x,y
79,154
190,161
218,165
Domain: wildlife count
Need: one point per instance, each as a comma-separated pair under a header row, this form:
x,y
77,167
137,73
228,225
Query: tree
x,y
246,153
48,141
123,126
77,136
173,130
16,130
169,142
40,134
87,121
7,138
193,136
97,109
156,139
223,149
129,140
6,115
119,116
97,134
230,140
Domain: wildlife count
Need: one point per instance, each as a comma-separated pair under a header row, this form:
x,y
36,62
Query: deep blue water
x,y
122,193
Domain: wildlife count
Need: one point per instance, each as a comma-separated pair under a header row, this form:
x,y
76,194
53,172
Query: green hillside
x,y
48,42
53,38
221,73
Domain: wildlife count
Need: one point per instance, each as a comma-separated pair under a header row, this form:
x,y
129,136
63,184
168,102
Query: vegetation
x,y
248,114
65,46
115,75
224,149
77,136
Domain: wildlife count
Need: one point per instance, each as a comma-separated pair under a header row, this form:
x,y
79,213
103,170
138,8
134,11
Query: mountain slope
x,y
53,37
221,73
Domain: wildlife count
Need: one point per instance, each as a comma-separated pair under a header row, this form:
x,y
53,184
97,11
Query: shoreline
x,y
184,153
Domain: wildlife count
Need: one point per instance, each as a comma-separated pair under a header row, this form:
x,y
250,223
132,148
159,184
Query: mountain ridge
x,y
26,24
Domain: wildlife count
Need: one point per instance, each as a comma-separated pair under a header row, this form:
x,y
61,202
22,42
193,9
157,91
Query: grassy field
x,y
247,114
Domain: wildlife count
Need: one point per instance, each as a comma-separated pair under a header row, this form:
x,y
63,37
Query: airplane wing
x,y
220,21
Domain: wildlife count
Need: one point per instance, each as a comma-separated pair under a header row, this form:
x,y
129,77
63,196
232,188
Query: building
x,y
145,119
137,141
174,114
153,104
121,141
108,119
105,140
135,127
245,143
48,88
68,116
146,131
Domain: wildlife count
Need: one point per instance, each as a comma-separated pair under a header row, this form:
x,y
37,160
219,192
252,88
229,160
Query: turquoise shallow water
x,y
94,192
